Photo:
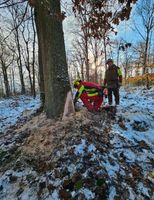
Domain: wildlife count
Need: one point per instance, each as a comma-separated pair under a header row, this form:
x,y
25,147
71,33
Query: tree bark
x,y
52,49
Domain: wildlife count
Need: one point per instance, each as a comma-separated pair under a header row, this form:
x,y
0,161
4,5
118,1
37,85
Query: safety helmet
x,y
109,60
76,82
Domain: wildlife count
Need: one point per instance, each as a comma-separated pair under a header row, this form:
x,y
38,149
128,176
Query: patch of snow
x,y
73,193
88,194
54,196
15,108
91,148
79,149
111,169
131,194
130,155
71,167
112,193
143,189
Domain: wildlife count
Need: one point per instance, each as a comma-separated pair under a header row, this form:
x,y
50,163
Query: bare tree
x,y
79,57
145,10
25,52
84,36
96,50
6,59
17,14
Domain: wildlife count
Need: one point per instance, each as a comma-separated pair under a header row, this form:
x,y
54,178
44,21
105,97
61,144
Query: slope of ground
x,y
87,156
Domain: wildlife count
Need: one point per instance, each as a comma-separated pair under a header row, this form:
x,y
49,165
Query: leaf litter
x,y
86,156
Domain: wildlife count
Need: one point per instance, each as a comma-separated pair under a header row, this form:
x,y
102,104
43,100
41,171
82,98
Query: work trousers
x,y
92,103
115,92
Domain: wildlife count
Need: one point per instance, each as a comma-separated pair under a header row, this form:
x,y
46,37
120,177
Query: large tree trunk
x,y
56,81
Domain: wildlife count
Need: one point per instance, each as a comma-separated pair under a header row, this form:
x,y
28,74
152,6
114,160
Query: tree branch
x,y
9,5
17,26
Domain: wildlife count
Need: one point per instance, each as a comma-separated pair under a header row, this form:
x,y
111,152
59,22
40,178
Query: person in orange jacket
x,y
90,93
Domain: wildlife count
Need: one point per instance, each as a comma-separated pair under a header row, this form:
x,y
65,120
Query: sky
x,y
124,29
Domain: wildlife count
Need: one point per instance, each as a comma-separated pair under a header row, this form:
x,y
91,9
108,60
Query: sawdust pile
x,y
46,135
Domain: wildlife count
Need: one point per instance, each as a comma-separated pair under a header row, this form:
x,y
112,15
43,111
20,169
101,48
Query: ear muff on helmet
x,y
76,82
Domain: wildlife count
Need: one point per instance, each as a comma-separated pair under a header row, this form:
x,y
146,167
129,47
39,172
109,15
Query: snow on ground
x,y
137,110
15,108
90,156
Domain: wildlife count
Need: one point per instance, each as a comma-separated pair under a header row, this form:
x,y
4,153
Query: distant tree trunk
x,y
10,82
52,49
86,58
5,77
82,71
40,60
13,81
26,55
41,76
20,63
96,73
146,52
1,86
105,53
33,61
30,78
27,64
126,65
118,54
96,60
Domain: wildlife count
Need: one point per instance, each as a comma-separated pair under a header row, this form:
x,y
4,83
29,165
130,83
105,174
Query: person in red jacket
x,y
90,93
